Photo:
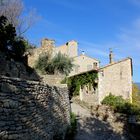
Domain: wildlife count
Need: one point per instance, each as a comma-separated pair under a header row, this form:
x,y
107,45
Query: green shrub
x,y
130,109
120,105
113,101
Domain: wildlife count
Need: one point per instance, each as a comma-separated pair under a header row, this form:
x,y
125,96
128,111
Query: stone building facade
x,y
83,63
115,78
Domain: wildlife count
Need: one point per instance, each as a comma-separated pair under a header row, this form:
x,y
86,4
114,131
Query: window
x,y
89,67
95,65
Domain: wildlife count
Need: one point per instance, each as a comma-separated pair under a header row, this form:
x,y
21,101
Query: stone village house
x,y
114,78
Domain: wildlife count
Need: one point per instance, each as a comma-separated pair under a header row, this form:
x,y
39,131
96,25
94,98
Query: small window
x,y
95,65
89,67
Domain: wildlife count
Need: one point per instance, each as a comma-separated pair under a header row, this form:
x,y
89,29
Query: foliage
x,y
136,95
42,63
71,131
13,11
12,45
28,45
75,82
113,101
60,64
121,105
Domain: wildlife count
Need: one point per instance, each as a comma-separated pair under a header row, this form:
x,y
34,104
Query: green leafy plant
x,y
75,82
113,101
121,105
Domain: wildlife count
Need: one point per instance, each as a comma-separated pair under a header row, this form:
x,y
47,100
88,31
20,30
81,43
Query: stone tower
x,y
47,43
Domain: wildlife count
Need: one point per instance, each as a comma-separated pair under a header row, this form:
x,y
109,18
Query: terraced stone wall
x,y
31,110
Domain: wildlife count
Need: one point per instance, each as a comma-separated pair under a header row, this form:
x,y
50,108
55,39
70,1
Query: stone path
x,y
91,128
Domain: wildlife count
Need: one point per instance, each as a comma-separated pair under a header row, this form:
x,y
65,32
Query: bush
x,y
120,105
113,101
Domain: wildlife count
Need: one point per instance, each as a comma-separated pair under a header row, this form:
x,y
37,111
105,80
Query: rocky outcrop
x,y
31,110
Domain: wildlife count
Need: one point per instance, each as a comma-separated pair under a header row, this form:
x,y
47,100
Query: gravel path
x,y
91,128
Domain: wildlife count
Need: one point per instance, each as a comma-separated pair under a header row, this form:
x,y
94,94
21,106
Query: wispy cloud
x,y
131,36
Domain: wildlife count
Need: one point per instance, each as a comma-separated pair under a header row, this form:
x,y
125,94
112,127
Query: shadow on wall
x,y
29,110
11,68
92,128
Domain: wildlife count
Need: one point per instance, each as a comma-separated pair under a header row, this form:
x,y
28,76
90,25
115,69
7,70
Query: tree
x,y
42,63
7,34
60,64
13,11
10,44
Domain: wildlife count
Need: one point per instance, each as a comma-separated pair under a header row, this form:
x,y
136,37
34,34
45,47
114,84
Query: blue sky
x,y
96,25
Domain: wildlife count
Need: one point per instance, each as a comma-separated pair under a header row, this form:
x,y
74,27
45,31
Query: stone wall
x,y
31,110
52,79
11,68
116,78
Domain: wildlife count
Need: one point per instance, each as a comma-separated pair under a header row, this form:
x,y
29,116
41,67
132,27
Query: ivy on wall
x,y
74,83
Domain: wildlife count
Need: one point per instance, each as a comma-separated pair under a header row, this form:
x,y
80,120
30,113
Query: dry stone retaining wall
x,y
32,111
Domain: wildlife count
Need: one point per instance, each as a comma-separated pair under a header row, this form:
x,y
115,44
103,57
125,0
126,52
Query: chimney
x,y
111,56
83,52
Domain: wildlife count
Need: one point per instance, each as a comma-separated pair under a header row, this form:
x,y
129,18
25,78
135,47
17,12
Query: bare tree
x,y
13,11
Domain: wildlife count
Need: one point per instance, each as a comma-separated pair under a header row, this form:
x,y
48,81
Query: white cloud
x,y
131,36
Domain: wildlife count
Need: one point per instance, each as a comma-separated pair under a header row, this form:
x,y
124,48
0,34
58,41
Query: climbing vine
x,y
74,83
